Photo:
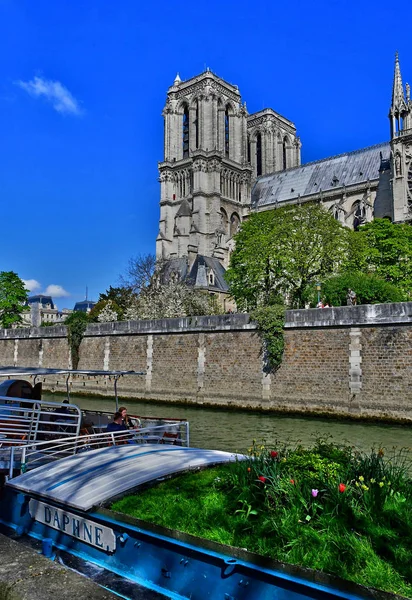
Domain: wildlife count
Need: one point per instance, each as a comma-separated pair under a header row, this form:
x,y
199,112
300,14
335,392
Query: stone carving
x,y
207,85
398,165
219,237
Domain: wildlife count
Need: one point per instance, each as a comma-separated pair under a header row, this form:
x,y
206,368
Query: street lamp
x,y
318,288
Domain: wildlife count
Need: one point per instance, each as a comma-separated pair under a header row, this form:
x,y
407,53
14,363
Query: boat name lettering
x,y
82,529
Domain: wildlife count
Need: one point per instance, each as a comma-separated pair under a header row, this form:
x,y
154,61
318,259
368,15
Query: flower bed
x,y
327,507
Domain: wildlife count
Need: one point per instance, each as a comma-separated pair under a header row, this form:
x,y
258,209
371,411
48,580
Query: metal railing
x,y
25,457
24,420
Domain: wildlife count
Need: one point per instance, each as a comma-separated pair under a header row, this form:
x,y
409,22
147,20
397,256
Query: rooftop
x,y
343,170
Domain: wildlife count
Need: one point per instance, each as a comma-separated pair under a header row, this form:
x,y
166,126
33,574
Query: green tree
x,y
387,251
281,253
120,299
13,297
369,289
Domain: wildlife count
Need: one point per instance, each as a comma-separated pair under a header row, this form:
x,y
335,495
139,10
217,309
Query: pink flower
x,y
315,493
262,479
342,487
274,454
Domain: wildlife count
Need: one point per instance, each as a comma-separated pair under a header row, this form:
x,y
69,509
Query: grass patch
x,y
328,507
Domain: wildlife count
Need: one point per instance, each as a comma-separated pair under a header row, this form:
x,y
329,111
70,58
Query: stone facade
x,y
220,163
213,152
350,361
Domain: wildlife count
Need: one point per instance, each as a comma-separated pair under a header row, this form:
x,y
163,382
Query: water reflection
x,y
230,430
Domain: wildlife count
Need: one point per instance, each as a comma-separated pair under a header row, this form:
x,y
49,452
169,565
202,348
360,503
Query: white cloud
x,y
53,91
57,291
31,284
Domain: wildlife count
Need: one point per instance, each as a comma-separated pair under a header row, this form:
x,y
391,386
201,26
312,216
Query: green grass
x,y
363,533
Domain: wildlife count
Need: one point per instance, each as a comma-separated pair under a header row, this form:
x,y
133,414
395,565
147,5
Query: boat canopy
x,y
41,372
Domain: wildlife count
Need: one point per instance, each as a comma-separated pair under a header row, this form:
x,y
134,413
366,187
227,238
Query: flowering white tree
x,y
155,298
173,299
107,314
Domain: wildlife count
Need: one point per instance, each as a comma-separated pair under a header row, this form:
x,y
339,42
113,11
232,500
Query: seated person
x,y
117,425
126,420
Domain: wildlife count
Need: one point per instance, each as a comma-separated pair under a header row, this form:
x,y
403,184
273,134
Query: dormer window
x,y
211,278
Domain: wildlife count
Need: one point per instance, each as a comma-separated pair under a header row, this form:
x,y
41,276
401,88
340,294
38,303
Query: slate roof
x,y
197,276
197,273
84,305
350,168
41,299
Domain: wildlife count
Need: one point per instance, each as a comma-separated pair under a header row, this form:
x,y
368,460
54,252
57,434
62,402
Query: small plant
x,y
271,321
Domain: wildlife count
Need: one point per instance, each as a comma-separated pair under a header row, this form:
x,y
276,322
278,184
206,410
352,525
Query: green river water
x,y
234,430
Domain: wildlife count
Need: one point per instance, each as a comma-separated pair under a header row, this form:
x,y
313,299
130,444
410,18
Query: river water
x,y
234,430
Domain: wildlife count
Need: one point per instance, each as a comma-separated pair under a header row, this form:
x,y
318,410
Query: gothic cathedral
x,y
220,163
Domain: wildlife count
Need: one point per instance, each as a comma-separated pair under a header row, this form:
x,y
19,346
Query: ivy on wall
x,y
76,325
271,321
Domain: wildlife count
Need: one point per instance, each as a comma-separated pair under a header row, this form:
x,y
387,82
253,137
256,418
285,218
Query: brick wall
x,y
347,361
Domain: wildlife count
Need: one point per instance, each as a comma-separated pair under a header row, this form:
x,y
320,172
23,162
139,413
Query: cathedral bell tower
x,y
400,116
205,176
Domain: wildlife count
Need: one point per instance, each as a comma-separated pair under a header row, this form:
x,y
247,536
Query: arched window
x,y
224,221
285,157
197,124
227,132
248,149
234,224
359,215
258,154
186,132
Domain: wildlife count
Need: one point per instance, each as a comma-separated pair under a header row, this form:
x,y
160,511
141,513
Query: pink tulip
x,y
315,493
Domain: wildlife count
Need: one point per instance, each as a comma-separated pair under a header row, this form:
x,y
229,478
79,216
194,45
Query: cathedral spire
x,y
398,98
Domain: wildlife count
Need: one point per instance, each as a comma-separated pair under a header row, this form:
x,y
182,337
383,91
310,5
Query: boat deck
x,y
90,479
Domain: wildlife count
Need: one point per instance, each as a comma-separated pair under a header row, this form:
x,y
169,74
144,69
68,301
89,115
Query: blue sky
x,y
83,84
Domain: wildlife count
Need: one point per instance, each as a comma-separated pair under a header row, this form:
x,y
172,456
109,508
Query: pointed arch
x,y
185,131
224,222
228,114
234,224
285,146
359,214
258,154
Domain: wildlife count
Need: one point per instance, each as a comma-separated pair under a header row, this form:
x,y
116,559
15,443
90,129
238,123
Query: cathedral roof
x,y
343,170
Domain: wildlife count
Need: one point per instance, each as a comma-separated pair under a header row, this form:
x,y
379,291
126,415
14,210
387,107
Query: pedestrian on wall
x,y
351,298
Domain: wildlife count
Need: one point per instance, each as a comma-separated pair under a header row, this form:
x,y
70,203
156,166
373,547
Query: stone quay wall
x,y
347,361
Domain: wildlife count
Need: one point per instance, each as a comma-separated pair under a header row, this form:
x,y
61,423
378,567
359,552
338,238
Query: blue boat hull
x,y
175,564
